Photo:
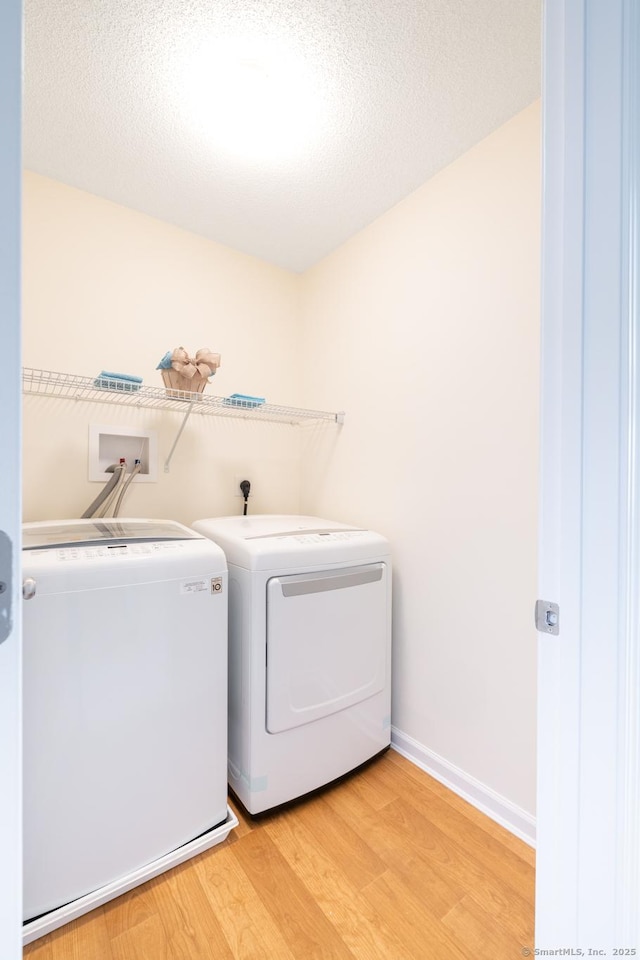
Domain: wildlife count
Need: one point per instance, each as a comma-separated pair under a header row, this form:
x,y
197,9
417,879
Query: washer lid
x,y
62,533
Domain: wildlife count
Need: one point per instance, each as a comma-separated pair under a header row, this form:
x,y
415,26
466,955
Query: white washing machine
x,y
125,709
309,652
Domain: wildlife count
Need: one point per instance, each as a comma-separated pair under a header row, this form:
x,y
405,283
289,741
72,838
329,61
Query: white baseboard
x,y
503,811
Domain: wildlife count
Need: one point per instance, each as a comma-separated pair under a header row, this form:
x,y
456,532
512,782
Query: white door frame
x,y
588,817
10,487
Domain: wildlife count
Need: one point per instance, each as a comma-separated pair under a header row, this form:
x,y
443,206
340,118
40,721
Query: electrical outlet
x,y
237,480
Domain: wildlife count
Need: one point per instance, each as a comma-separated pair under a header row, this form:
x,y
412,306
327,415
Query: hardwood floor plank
x,y
421,935
362,799
308,933
514,911
378,794
451,860
483,937
39,949
249,929
191,927
146,940
359,863
90,937
132,908
398,848
478,842
85,937
359,925
432,786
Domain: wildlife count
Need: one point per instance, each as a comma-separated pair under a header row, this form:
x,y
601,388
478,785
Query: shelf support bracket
x,y
178,435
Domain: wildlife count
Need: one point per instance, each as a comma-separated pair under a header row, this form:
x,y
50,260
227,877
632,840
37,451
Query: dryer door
x,y
327,641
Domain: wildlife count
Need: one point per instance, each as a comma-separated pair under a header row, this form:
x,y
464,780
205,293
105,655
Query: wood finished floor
x,y
386,865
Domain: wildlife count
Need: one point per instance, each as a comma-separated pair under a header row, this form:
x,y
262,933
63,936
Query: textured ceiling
x,y
345,106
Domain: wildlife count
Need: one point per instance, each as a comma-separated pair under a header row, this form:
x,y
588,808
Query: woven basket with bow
x,y
189,374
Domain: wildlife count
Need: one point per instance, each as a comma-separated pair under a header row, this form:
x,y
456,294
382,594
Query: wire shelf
x,y
72,387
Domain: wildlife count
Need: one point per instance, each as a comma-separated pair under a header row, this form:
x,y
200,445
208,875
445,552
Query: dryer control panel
x,y
324,537
270,542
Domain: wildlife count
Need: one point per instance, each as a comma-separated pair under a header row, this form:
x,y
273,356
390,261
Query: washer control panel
x,y
109,550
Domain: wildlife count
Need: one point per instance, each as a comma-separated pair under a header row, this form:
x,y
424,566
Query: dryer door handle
x,y
297,586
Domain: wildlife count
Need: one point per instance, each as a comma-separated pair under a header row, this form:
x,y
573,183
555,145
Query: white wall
x,y
424,328
108,288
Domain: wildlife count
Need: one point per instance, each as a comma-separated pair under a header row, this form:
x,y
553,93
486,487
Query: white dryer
x,y
309,652
125,709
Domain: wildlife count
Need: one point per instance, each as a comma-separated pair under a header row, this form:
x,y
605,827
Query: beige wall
x,y
108,288
425,328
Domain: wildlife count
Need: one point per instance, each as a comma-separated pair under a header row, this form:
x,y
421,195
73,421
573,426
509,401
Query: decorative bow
x,y
205,362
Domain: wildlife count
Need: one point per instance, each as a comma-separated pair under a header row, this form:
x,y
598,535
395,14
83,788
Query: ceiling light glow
x,y
255,98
